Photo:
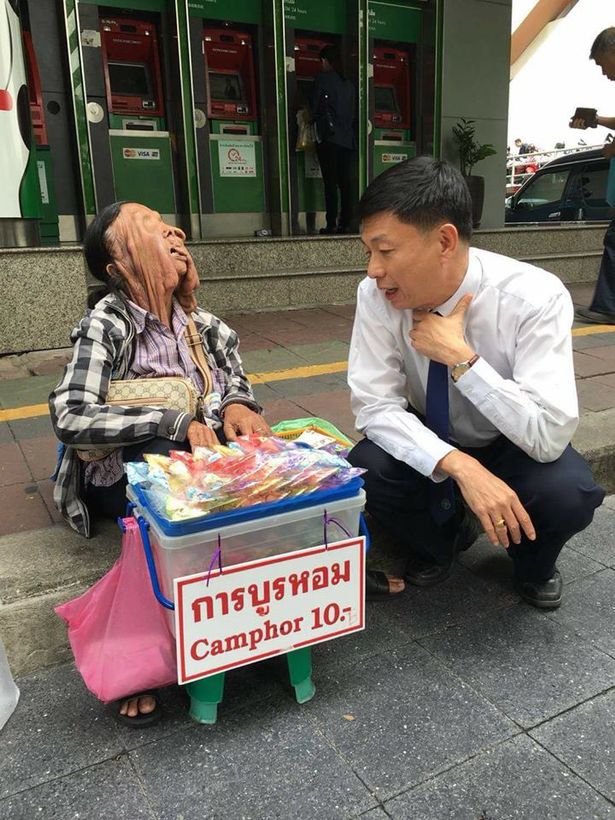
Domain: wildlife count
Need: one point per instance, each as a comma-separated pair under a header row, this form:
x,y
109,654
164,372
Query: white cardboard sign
x,y
252,611
237,158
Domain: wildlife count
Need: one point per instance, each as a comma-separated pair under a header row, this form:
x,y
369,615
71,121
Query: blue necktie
x,y
441,495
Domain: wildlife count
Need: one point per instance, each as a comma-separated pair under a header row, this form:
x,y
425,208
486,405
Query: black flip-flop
x,y
143,719
377,586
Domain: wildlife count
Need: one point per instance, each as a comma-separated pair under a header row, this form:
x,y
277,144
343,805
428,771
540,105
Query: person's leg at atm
x,y
327,157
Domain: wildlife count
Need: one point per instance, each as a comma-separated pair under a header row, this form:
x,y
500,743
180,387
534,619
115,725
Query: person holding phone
x,y
602,308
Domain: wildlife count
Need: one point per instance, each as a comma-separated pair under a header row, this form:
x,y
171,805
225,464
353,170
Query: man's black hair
x,y
603,44
332,54
97,251
423,192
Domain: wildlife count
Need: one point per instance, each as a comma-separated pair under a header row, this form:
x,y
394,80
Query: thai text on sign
x,y
268,607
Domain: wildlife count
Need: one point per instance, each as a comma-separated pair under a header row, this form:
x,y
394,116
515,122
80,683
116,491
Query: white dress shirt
x,y
522,386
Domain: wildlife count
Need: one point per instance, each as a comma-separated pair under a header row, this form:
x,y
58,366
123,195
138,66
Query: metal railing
x,y
517,164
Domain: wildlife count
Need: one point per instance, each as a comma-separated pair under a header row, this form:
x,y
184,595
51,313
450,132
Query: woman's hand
x,y
239,420
200,435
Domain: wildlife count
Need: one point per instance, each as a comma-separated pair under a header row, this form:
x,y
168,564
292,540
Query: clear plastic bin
x,y
177,556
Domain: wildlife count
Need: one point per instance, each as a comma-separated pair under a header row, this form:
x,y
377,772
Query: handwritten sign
x,y
252,611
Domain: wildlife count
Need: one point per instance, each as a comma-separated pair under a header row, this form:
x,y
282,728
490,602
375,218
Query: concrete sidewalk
x,y
458,701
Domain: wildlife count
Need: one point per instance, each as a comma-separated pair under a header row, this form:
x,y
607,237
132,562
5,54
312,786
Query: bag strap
x,y
195,346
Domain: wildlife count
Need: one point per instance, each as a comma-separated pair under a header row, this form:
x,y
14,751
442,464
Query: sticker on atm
x,y
141,153
237,158
394,158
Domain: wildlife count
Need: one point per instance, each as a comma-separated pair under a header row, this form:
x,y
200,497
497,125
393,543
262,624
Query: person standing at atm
x,y
332,107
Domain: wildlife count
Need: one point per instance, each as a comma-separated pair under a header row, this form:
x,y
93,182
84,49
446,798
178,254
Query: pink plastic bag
x,y
118,631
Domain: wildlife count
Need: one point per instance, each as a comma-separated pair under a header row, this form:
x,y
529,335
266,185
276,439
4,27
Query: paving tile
x,y
270,360
307,336
243,688
517,780
597,540
323,352
400,718
23,392
458,600
335,407
586,365
40,454
608,379
609,502
300,387
6,434
382,633
584,739
45,489
22,511
493,565
595,395
266,762
13,466
606,354
36,427
57,728
592,340
347,311
252,341
527,665
109,789
264,394
588,609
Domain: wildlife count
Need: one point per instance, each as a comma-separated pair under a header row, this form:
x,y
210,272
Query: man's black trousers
x,y
604,295
560,498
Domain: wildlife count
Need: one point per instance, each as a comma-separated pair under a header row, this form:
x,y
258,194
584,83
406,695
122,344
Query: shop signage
x,y
141,153
248,612
237,158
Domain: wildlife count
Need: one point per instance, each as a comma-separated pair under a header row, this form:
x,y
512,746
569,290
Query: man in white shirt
x,y
492,337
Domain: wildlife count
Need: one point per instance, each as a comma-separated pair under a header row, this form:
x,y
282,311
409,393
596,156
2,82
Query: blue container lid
x,y
225,519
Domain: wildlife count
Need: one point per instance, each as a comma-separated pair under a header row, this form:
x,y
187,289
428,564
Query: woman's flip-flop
x,y
143,718
377,586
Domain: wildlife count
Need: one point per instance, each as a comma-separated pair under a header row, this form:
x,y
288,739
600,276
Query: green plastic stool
x,y
207,693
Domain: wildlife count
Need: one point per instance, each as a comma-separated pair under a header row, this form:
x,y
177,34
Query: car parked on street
x,y
570,188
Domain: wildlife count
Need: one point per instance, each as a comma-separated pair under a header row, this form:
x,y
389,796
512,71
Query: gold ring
x,y
501,524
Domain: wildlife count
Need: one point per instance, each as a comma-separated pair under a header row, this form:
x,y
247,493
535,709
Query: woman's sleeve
x,y
77,406
226,353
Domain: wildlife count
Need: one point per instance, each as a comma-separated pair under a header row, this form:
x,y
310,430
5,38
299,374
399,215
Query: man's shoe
x,y
425,573
594,317
545,595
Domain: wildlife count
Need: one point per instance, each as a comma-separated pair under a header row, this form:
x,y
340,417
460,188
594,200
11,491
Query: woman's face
x,y
145,246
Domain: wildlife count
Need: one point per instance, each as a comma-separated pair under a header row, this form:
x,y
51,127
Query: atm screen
x,y
130,80
227,87
385,99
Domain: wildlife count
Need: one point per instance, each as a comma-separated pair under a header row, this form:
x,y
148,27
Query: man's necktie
x,y
441,494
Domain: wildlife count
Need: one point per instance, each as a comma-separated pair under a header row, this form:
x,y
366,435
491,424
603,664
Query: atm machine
x,y
392,106
310,190
140,145
235,144
49,223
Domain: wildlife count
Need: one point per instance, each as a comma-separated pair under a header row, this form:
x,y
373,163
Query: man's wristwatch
x,y
460,368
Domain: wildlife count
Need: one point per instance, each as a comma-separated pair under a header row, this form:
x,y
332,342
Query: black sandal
x,y
143,718
377,586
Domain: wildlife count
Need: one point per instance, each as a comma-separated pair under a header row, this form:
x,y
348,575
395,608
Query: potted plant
x,y
471,152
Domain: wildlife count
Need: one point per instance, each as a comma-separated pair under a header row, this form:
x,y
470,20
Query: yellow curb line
x,y
16,413
33,410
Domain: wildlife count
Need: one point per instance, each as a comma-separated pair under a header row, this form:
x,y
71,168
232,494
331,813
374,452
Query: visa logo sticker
x,y
394,158
141,153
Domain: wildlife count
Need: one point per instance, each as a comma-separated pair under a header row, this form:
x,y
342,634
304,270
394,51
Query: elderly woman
x,y
137,331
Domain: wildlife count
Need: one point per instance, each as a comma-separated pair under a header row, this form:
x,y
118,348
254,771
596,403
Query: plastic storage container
x,y
299,524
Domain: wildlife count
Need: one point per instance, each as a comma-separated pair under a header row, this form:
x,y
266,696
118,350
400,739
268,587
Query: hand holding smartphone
x,y
584,118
